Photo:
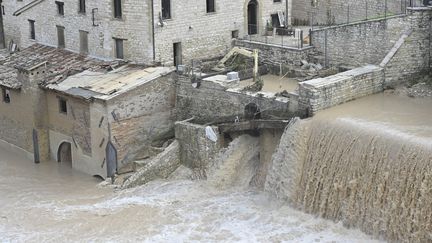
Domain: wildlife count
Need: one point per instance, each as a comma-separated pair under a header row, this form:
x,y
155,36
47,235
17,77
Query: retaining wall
x,y
322,93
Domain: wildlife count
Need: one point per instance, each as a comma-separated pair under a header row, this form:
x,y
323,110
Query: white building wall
x,y
202,34
134,27
205,34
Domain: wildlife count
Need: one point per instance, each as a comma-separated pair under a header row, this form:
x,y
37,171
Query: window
x,y
277,1
6,95
82,7
234,34
166,9
211,6
83,42
119,48
60,37
117,9
32,29
63,106
60,8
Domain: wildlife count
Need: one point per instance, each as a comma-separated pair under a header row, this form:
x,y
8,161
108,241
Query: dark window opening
x,y
60,8
277,1
177,48
234,34
275,20
32,29
166,9
83,42
117,9
60,37
119,48
211,6
82,7
3,10
63,106
6,95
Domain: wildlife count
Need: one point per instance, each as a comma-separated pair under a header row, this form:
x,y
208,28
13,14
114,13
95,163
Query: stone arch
x,y
64,153
252,9
252,111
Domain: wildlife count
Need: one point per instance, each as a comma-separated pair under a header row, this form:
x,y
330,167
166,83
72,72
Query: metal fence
x,y
284,37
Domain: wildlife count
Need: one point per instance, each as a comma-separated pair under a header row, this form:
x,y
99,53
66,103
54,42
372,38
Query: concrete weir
x,y
367,170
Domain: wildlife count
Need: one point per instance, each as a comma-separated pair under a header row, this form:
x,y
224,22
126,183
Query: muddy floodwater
x,y
49,203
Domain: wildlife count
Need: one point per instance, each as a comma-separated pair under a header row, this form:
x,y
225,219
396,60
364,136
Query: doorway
x,y
64,154
252,16
177,53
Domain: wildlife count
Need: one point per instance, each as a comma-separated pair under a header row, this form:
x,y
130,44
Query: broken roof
x,y
98,85
59,64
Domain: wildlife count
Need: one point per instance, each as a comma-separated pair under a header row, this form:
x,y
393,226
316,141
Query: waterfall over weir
x,y
363,174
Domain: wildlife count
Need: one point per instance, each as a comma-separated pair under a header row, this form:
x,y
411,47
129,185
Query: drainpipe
x,y
286,13
153,31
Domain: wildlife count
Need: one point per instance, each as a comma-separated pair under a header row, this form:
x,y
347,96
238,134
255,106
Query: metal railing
x,y
293,37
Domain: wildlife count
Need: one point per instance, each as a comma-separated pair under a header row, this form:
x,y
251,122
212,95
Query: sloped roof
x,y
59,65
90,84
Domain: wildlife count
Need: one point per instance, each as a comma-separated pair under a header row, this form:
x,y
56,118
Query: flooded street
x,y
48,203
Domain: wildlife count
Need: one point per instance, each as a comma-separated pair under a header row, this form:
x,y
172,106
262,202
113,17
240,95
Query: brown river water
x,y
48,203
51,203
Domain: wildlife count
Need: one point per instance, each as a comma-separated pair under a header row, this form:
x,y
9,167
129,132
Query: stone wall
x,y
190,24
16,120
331,12
205,34
212,102
196,150
134,27
413,58
275,55
361,43
143,117
322,93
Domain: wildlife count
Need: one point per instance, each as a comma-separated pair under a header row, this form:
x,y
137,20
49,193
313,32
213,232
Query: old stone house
x,y
158,31
94,114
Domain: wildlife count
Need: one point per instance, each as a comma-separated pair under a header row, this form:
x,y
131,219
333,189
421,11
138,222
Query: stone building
x,y
159,31
96,115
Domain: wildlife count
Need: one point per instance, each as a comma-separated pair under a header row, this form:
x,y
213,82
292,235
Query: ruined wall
x,y
134,27
361,43
143,117
196,150
205,34
330,12
273,54
322,93
212,102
